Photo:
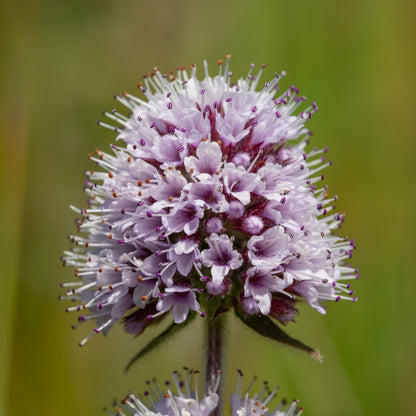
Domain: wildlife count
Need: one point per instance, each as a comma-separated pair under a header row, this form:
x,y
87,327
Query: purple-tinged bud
x,y
235,210
253,224
214,225
242,159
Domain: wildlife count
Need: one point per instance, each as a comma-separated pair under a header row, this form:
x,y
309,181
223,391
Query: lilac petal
x,y
180,313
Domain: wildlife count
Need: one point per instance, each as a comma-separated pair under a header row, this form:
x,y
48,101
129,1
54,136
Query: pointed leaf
x,y
168,332
263,325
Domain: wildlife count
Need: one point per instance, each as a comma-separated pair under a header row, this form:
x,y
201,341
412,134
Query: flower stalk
x,y
214,359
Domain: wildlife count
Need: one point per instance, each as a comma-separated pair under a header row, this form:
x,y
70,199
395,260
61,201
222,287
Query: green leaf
x,y
263,325
159,339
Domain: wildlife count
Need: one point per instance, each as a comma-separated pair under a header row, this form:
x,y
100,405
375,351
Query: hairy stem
x,y
215,341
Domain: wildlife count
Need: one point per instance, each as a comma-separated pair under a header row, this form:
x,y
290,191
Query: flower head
x,y
209,192
183,399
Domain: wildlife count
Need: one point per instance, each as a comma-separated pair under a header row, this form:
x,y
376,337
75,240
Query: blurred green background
x,y
60,64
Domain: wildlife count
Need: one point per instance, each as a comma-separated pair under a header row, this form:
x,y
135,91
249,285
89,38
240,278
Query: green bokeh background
x,y
60,64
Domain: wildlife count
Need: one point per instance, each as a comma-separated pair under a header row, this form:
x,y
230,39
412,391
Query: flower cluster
x,y
186,401
210,193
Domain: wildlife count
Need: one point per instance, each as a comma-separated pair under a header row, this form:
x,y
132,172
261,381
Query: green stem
x,y
215,342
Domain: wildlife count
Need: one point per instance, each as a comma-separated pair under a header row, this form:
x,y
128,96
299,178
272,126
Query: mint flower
x,y
183,399
209,201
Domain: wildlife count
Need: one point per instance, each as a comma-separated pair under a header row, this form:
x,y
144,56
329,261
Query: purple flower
x,y
212,181
180,299
182,398
220,257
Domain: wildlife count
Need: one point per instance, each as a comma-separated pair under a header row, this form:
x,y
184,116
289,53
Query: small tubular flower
x,y
210,180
